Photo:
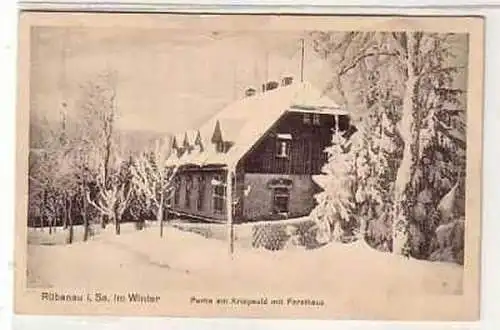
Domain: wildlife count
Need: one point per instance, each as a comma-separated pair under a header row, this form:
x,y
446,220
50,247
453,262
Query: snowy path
x,y
180,259
107,262
357,276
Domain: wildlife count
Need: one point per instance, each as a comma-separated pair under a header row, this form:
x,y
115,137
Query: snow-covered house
x,y
265,148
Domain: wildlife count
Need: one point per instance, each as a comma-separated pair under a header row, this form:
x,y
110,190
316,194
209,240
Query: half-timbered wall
x,y
306,135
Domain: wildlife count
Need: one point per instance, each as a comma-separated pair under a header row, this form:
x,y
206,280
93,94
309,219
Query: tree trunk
x,y
159,215
57,219
142,221
70,220
50,225
403,199
42,216
85,219
65,214
362,228
107,156
116,220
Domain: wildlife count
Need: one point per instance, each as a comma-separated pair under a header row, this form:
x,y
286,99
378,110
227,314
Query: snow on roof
x,y
243,122
191,135
178,140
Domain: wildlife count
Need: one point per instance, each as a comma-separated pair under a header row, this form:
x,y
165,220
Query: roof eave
x,y
204,166
318,110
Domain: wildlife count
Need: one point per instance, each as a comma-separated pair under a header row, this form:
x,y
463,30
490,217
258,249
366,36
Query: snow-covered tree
x,y
112,201
153,178
54,175
97,113
401,90
368,91
335,208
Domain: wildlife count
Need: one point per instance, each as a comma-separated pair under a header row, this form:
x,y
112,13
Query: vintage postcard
x,y
230,165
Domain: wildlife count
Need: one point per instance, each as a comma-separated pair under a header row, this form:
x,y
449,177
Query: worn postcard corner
x,y
273,166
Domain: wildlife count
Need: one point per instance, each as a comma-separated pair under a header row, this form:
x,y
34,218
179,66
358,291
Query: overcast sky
x,y
168,80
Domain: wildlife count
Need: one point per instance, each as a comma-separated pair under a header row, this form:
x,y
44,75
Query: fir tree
x,y
401,90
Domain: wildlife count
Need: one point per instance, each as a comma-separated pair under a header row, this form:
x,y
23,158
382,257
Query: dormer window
x,y
283,145
198,143
217,138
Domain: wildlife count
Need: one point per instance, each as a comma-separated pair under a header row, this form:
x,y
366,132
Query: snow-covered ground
x,y
183,260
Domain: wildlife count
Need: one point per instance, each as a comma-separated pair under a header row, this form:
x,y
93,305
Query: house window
x,y
316,120
189,188
200,202
306,118
281,200
283,145
219,198
177,190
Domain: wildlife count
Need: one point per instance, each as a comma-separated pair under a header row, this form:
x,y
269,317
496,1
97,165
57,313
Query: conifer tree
x,y
401,90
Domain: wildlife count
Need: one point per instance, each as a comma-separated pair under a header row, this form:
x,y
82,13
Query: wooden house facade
x,y
264,148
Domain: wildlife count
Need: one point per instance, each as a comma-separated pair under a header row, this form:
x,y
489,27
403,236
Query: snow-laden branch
x,y
111,200
106,204
144,180
38,182
357,60
153,178
438,70
123,199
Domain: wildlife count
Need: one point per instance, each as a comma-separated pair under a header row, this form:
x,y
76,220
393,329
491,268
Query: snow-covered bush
x,y
270,236
307,234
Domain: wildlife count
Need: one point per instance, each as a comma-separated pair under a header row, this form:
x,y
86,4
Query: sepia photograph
x,y
269,166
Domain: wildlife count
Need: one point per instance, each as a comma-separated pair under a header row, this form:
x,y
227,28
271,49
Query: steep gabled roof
x,y
243,122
